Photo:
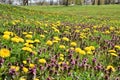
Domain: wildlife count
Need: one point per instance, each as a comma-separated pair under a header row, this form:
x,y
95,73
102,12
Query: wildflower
x,y
77,50
30,32
62,46
55,41
43,61
6,37
60,63
117,47
77,31
61,55
82,52
36,79
21,39
28,36
107,32
24,62
24,33
89,52
113,54
27,49
92,48
46,31
56,30
112,51
4,53
29,41
71,48
112,28
42,36
25,69
29,45
67,63
49,42
65,39
14,39
37,40
56,38
110,68
87,48
31,65
73,44
8,33
62,58
22,78
16,68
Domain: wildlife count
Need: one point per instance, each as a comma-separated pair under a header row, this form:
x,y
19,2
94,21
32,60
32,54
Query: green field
x,y
59,42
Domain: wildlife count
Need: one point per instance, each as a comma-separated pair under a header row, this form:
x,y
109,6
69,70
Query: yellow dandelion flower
x,y
77,31
61,55
62,46
65,39
110,68
42,36
107,32
73,44
4,53
15,39
24,33
29,41
21,39
56,30
55,41
67,63
71,48
89,52
113,54
87,48
31,65
15,67
46,31
117,47
56,38
28,36
24,62
30,32
60,63
7,33
36,79
22,78
43,61
82,52
25,69
62,58
27,49
49,42
112,28
36,40
7,37
77,50
111,51
92,48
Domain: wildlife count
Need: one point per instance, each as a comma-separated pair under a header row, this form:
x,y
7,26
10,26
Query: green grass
x,y
83,14
111,11
88,53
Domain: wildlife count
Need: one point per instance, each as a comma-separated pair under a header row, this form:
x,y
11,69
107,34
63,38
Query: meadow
x,y
60,43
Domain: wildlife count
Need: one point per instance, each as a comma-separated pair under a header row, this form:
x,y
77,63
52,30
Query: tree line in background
x,y
64,2
92,2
